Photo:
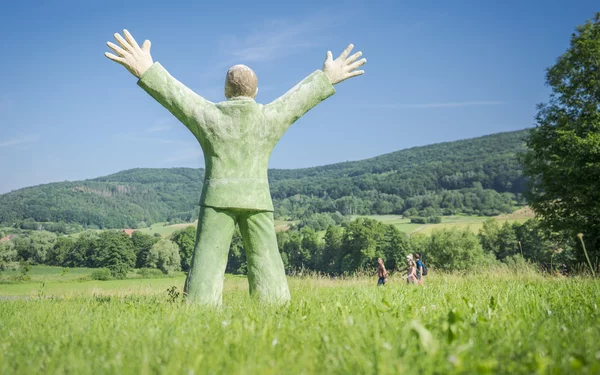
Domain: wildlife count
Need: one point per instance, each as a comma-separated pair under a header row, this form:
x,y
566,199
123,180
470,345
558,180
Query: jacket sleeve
x,y
195,112
285,110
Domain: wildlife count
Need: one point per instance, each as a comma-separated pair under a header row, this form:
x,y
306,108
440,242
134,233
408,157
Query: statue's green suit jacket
x,y
237,136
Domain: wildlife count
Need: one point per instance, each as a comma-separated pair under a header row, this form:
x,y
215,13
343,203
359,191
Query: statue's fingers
x,y
146,45
347,51
328,56
114,58
353,58
126,46
357,64
118,50
130,39
356,73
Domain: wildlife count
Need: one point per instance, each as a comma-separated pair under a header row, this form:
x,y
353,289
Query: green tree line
x,y
347,248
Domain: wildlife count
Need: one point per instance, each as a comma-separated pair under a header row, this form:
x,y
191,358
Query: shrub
x,y
452,249
426,220
8,254
101,274
434,219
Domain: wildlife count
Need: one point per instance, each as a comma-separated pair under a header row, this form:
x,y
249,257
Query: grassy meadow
x,y
166,230
474,223
500,321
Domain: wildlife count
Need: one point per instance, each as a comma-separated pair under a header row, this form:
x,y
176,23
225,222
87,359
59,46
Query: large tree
x,y
115,251
185,239
164,255
142,244
563,161
332,251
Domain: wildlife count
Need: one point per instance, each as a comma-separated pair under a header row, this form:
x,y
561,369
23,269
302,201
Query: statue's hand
x,y
343,67
135,59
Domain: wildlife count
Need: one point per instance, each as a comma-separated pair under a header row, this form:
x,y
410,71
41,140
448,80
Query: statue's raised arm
x,y
315,88
191,109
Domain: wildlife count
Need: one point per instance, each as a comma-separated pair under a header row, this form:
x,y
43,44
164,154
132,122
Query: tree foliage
x,y
185,240
455,249
345,249
236,259
563,160
115,251
8,254
142,246
164,255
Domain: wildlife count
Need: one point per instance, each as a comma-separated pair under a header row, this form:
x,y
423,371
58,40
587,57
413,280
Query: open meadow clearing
x,y
166,230
472,222
494,322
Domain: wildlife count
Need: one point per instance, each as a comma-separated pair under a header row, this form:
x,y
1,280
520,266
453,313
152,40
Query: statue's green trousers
x,y
266,273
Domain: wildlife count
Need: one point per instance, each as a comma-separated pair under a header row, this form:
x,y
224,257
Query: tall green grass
x,y
498,322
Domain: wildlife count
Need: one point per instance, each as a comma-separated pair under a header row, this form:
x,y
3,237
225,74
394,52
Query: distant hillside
x,y
479,175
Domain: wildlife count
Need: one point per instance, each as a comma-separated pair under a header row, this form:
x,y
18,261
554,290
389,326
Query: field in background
x,y
164,229
495,322
47,274
474,223
167,230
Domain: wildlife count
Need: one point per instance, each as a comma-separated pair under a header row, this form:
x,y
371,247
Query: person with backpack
x,y
421,268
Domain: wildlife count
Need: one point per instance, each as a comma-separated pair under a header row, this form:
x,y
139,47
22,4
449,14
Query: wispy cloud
x,y
442,105
19,141
277,39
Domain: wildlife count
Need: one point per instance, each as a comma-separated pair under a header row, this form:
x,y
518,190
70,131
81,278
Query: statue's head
x,y
241,81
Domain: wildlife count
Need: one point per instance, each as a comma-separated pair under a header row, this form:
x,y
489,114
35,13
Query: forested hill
x,y
479,175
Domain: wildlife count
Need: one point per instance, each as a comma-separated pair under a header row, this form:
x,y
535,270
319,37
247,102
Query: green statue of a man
x,y
237,137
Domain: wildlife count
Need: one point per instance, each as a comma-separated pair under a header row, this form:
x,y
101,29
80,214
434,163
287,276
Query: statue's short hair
x,y
241,81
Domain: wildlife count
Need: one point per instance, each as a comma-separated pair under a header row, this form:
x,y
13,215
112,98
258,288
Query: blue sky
x,y
436,71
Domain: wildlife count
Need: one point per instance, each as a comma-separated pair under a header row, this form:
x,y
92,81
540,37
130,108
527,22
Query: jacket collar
x,y
241,98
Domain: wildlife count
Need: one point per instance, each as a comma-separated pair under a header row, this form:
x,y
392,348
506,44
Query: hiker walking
x,y
411,270
420,268
381,272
